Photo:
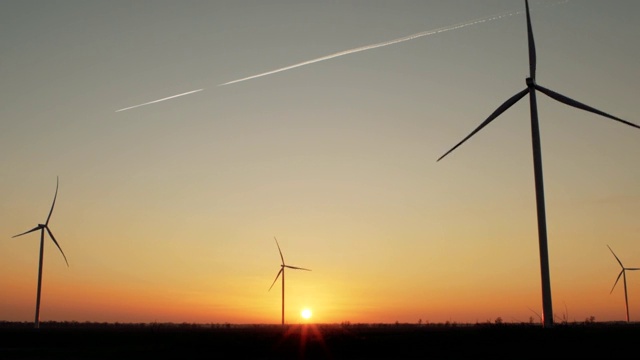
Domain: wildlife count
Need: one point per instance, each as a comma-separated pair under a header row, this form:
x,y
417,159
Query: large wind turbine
x,y
537,158
281,272
622,273
42,228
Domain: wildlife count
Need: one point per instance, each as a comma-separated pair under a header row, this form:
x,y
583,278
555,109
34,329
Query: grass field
x,y
322,341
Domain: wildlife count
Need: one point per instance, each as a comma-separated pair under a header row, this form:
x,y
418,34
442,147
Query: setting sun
x,y
306,313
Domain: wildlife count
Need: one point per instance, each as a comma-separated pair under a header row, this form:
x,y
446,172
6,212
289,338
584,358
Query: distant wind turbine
x,y
537,158
42,228
281,272
622,273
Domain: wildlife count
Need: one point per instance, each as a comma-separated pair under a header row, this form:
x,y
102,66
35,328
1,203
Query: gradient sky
x,y
167,212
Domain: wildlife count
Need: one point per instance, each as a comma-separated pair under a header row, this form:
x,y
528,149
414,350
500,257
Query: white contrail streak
x,y
351,51
374,46
159,100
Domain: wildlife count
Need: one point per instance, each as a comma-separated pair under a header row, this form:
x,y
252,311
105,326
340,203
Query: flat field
x,y
317,341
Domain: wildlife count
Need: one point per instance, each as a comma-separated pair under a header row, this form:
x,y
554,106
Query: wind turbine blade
x,y
56,242
281,257
26,232
507,104
54,202
563,99
618,278
614,254
632,268
297,268
276,279
532,45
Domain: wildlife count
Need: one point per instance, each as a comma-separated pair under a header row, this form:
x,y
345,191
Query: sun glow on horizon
x,y
306,313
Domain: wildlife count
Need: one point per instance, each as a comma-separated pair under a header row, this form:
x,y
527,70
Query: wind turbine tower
x,y
532,86
44,227
622,273
281,272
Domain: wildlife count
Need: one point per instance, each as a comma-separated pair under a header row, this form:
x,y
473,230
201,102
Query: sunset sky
x,y
167,212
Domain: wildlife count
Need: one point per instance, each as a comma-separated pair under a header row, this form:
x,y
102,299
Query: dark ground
x,y
341,341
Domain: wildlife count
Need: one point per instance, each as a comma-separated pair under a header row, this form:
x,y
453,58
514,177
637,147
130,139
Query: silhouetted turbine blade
x,y
297,268
56,242
276,279
54,202
532,45
614,254
507,104
26,232
579,105
632,268
281,257
618,278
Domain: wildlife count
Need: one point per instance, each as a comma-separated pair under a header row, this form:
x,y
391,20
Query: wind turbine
x,y
281,272
42,228
622,273
532,86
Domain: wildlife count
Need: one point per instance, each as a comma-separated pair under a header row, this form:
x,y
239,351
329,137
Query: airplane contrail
x,y
163,99
347,52
377,45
